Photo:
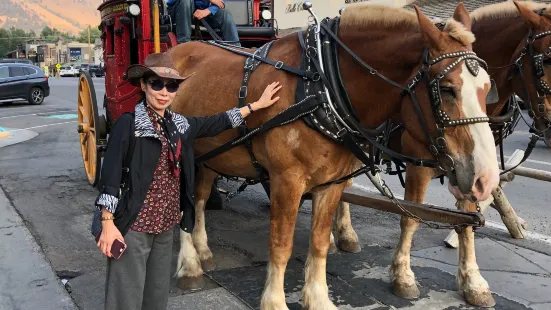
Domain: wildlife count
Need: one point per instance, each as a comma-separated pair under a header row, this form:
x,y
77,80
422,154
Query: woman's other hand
x,y
267,99
109,233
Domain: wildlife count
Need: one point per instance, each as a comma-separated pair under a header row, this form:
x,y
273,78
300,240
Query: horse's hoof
x,y
191,283
479,298
406,291
350,246
208,264
332,248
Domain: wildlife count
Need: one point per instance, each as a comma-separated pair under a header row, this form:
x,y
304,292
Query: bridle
x,y
348,121
543,89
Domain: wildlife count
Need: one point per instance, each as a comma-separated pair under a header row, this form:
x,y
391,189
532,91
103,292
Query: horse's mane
x,y
506,9
363,15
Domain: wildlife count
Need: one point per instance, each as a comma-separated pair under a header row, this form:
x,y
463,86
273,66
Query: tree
x,y
53,34
10,38
83,35
46,32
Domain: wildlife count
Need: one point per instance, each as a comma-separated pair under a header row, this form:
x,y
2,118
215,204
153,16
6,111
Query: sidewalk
x,y
27,281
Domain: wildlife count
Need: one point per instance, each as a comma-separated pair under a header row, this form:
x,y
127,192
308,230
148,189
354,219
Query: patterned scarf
x,y
170,132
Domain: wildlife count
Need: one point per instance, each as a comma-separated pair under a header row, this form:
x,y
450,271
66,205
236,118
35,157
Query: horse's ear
x,y
429,29
462,15
531,18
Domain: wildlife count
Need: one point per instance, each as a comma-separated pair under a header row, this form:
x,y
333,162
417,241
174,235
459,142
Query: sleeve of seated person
x,y
111,170
214,8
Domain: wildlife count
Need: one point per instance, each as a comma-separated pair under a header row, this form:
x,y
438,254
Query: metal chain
x,y
388,193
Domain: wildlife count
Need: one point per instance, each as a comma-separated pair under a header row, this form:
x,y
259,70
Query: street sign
x,y
58,66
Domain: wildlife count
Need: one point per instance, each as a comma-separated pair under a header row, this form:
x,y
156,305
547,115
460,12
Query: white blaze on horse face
x,y
484,159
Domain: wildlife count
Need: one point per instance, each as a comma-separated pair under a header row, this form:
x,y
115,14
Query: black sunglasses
x,y
158,84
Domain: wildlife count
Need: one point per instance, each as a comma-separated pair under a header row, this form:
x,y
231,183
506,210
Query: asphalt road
x,y
44,179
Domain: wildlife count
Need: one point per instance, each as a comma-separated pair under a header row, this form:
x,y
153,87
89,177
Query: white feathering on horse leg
x,y
403,278
189,264
199,235
273,297
315,294
470,282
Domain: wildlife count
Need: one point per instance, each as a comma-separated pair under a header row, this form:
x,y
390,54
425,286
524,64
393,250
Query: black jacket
x,y
145,158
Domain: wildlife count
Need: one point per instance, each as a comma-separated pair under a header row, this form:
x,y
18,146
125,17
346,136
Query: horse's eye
x,y
449,91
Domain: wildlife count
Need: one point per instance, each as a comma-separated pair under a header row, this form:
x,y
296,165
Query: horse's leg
x,y
285,197
315,294
347,238
403,279
194,251
470,282
204,181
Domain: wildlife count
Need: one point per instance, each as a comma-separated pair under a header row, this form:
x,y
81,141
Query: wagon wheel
x,y
89,127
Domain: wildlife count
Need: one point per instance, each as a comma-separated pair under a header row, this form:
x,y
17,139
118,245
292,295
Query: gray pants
x,y
140,279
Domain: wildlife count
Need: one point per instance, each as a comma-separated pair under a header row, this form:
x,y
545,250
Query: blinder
x,y
493,95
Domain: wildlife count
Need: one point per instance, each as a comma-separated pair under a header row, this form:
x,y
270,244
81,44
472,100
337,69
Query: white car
x,y
68,71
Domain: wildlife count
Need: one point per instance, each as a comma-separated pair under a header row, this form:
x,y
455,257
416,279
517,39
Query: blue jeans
x,y
182,11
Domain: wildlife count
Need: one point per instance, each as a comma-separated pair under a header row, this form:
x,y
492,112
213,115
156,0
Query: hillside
x,y
65,15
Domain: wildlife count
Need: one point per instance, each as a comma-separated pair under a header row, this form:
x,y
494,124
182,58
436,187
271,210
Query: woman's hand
x,y
109,233
266,99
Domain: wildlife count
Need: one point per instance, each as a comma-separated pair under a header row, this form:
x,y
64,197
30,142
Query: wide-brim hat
x,y
159,64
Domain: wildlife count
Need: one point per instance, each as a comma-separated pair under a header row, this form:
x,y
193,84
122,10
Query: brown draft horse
x,y
300,159
501,32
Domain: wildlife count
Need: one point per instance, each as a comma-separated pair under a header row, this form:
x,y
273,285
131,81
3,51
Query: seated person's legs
x,y
224,21
181,12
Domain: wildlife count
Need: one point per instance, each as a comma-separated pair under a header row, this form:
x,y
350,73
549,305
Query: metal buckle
x,y
341,132
279,65
541,108
242,92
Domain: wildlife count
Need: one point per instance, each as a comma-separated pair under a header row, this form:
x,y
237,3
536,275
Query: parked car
x,y
23,81
83,67
16,60
68,71
96,71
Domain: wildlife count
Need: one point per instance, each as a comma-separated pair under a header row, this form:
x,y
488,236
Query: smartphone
x,y
117,248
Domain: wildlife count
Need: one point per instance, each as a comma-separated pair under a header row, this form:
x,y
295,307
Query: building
x,y
65,53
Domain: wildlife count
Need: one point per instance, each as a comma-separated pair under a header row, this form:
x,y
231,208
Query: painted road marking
x,y
33,114
529,234
4,133
44,126
62,116
533,161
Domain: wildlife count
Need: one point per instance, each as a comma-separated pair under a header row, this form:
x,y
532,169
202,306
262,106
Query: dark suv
x,y
96,71
23,81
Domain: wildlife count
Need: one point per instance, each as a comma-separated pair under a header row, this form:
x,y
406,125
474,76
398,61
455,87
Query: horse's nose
x,y
482,187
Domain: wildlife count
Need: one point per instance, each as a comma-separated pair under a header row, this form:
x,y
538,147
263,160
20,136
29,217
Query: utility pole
x,y
89,49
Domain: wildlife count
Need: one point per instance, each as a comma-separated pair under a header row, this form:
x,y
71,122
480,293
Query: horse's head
x,y
537,67
463,142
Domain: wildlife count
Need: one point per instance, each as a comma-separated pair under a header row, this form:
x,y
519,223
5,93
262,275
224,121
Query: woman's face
x,y
159,92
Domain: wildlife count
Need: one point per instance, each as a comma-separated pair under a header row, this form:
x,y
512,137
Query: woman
x,y
160,181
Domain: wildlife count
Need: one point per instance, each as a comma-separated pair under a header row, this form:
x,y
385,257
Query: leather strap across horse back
x,y
323,102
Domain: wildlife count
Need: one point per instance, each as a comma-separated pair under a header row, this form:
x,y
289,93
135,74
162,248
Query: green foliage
x,y
83,35
10,38
54,34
